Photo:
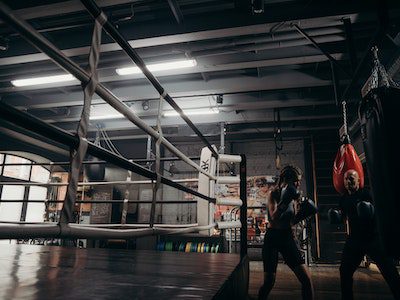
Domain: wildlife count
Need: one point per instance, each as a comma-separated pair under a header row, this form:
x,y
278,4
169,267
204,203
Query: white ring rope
x,y
120,182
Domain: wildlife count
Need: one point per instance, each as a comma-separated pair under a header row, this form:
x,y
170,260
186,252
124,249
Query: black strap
x,y
77,155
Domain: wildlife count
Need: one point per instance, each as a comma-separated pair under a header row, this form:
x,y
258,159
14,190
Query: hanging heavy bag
x,y
95,171
346,159
379,118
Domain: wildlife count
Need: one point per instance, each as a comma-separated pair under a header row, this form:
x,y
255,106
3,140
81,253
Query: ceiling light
x,y
42,80
106,117
165,66
191,112
3,44
257,6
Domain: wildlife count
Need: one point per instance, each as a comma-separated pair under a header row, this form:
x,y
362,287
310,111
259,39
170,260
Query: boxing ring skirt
x,y
50,272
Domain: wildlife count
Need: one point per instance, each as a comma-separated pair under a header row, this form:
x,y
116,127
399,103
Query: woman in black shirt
x,y
279,236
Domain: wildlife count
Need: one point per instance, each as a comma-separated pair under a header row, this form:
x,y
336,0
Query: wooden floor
x,y
40,272
368,283
31,272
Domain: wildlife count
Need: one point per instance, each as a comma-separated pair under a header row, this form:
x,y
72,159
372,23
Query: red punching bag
x,y
346,159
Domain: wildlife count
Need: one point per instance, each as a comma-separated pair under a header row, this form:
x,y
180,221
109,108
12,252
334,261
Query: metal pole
x,y
336,85
41,43
148,148
243,208
312,41
350,43
34,124
96,11
222,134
317,233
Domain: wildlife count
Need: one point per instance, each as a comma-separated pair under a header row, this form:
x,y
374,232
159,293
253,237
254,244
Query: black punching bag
x,y
94,171
379,114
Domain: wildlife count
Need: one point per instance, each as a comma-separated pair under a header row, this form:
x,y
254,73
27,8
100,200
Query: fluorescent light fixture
x,y
42,80
106,117
165,66
191,112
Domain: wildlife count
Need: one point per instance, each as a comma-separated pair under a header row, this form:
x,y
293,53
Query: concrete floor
x,y
368,283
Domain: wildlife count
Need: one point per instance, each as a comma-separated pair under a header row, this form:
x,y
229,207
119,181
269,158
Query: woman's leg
x,y
295,261
303,275
269,281
270,261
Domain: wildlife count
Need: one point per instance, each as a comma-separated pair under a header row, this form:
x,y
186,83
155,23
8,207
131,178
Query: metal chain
x,y
344,118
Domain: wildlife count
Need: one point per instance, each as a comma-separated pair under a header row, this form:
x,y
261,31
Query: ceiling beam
x,y
232,25
200,68
65,7
274,80
176,10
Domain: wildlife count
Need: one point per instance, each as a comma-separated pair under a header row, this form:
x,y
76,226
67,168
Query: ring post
x,y
243,208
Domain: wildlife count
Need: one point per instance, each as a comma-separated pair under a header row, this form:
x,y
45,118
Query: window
x,y
18,171
1,163
39,174
25,171
11,211
35,211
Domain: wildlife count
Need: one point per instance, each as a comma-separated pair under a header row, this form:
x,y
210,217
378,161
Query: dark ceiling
x,y
259,63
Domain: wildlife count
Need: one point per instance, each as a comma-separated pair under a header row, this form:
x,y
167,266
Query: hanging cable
x,y
109,143
106,141
277,138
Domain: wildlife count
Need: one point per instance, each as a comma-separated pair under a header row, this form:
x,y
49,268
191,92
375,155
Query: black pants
x,y
353,253
280,240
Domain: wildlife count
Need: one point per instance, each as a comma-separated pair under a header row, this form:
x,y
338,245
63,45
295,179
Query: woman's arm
x,y
273,206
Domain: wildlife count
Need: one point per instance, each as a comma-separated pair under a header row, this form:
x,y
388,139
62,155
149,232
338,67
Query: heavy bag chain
x,y
379,74
345,137
277,138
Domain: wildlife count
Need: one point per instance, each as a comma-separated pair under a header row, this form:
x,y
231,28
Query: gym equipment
x,y
307,209
346,159
378,113
95,171
288,194
379,119
334,216
365,210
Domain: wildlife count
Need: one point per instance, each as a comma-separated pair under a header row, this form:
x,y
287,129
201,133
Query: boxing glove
x,y
334,216
307,209
288,194
365,210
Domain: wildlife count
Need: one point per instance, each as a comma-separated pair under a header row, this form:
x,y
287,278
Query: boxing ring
x,y
44,272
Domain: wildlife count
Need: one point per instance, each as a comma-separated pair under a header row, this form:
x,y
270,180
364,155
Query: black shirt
x,y
348,205
281,221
